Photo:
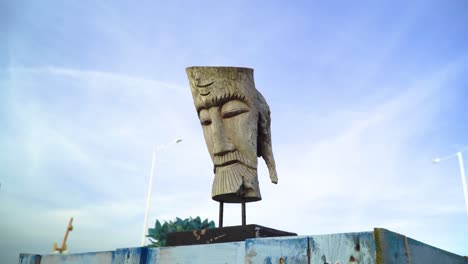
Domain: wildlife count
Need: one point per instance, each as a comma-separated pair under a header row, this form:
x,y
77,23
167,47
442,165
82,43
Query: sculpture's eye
x,y
205,119
205,122
234,108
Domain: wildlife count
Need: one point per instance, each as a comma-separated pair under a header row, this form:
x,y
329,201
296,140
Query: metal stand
x,y
221,212
243,214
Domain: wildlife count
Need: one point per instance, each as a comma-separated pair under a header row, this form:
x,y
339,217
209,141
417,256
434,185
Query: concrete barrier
x,y
375,247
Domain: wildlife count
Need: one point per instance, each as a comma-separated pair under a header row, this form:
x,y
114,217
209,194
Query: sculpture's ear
x,y
264,149
263,129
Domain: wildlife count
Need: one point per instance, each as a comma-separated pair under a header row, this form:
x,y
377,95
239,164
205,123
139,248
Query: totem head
x,y
236,125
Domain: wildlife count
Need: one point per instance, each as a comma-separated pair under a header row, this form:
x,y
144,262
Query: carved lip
x,y
227,163
232,158
232,162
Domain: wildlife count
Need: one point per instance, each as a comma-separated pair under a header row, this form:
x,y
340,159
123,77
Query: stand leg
x,y
221,212
243,214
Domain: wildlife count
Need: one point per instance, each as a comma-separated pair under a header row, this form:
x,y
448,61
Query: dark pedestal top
x,y
222,235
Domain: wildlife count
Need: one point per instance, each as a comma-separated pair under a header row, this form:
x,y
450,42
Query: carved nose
x,y
221,142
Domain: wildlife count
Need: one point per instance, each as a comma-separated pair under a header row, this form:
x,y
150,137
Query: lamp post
x,y
462,173
150,187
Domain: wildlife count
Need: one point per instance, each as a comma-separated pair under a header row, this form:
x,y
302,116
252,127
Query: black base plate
x,y
222,235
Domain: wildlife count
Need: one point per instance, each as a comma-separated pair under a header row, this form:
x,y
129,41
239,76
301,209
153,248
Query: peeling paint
x,y
287,250
381,246
343,248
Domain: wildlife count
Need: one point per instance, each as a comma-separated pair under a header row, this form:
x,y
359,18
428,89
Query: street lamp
x,y
462,172
150,186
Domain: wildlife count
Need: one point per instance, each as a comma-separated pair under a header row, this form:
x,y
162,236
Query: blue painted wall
x,y
380,246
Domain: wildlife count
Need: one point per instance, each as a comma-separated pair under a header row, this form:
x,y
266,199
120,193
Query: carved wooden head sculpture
x,y
236,124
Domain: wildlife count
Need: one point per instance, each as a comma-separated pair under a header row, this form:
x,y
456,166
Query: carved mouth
x,y
227,163
231,158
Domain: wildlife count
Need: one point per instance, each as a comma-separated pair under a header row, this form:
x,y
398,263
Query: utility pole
x,y
463,178
462,172
150,188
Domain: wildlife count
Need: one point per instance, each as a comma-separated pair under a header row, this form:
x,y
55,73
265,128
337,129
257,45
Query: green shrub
x,y
158,234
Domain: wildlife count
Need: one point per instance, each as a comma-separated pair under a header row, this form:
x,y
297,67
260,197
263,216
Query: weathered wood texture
x,y
152,255
223,235
393,248
29,259
290,250
207,254
378,247
80,258
342,248
130,255
236,122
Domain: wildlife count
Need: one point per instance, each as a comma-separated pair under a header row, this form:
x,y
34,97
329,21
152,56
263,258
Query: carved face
x,y
229,127
227,108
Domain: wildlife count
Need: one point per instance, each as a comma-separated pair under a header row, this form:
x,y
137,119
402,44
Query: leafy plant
x,y
158,234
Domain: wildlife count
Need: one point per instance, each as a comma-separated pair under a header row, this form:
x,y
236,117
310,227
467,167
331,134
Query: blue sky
x,y
363,96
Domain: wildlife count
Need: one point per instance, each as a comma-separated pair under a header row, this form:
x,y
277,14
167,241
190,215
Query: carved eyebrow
x,y
204,85
220,100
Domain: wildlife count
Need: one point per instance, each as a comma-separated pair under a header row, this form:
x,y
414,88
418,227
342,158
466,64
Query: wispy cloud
x,y
369,174
354,165
84,157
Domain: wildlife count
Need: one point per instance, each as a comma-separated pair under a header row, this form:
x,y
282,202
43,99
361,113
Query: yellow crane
x,y
64,243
